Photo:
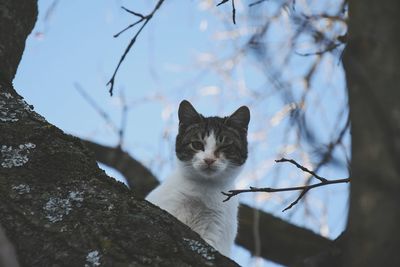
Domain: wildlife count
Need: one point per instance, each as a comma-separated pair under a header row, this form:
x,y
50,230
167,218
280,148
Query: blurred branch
x,y
256,3
305,188
96,107
329,48
325,158
282,242
326,16
124,116
144,19
276,235
119,131
320,37
331,257
8,258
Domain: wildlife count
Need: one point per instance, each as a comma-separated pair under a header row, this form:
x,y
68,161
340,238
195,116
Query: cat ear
x,y
240,118
187,114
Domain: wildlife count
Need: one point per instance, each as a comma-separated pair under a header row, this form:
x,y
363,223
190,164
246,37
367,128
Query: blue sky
x,y
176,57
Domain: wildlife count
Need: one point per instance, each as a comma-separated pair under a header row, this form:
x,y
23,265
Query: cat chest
x,y
198,214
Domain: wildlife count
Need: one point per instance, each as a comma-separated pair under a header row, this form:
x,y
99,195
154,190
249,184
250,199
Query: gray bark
x,y
372,64
13,33
57,207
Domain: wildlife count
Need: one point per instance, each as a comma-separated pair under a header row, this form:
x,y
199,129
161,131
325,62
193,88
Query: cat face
x,y
211,147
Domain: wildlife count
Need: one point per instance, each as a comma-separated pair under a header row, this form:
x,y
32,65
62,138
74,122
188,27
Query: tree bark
x,y
57,207
372,64
15,32
281,241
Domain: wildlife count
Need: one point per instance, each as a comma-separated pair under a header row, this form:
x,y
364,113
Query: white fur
x,y
193,195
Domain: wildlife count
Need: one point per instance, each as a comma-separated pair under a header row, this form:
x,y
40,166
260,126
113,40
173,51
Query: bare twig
x,y
233,12
233,9
325,158
302,194
133,13
301,168
304,188
144,19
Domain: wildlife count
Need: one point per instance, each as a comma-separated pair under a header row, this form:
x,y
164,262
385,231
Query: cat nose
x,y
209,161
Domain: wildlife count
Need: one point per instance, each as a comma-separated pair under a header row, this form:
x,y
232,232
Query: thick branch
x,y
277,236
281,241
12,32
139,178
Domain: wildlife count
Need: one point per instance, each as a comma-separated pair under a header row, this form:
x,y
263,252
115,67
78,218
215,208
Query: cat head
x,y
211,148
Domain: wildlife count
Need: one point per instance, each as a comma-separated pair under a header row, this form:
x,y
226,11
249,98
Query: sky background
x,y
188,51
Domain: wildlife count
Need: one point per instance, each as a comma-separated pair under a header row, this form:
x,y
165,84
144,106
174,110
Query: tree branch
x,y
107,119
301,168
256,3
233,9
281,242
142,19
304,188
8,258
12,32
139,178
329,48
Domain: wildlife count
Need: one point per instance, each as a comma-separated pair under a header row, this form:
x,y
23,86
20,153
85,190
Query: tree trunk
x,y
372,65
57,207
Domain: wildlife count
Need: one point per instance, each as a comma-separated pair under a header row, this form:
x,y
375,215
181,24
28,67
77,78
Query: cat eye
x,y
227,142
197,145
224,147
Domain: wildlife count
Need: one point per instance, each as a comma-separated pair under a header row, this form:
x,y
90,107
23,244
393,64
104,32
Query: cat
x,y
210,153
